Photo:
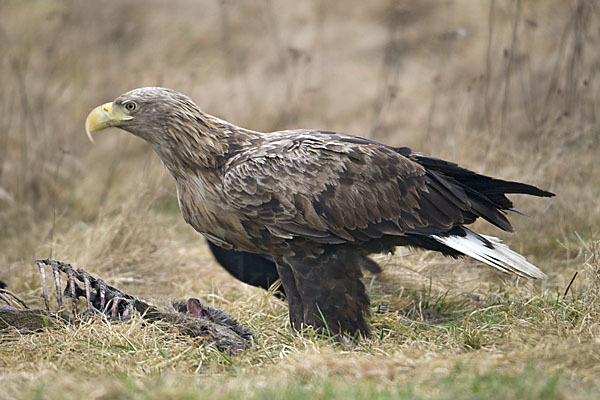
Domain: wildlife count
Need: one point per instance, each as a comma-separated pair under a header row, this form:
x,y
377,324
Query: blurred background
x,y
507,88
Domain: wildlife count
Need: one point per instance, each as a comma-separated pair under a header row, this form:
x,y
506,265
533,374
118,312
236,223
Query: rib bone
x,y
40,265
3,296
57,283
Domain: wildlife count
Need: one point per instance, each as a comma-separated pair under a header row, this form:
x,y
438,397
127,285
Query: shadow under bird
x,y
318,202
253,269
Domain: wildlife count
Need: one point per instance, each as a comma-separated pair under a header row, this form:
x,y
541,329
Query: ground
x,y
506,88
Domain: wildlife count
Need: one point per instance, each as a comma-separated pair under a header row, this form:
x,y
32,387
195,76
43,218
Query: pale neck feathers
x,y
193,139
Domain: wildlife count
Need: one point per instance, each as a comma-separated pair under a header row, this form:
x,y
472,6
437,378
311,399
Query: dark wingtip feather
x,y
549,194
510,187
542,193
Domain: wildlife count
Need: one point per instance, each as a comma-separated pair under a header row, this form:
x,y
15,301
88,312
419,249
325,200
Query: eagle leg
x,y
288,282
333,296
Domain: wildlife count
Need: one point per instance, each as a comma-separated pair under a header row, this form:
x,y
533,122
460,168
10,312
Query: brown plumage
x,y
319,202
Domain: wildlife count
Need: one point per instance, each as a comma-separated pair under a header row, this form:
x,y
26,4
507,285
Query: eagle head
x,y
144,112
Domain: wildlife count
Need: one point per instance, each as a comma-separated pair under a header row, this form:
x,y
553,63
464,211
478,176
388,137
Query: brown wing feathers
x,y
377,192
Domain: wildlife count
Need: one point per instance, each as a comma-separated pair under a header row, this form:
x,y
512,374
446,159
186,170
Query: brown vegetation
x,y
507,88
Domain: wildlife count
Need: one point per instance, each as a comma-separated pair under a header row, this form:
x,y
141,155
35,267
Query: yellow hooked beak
x,y
102,117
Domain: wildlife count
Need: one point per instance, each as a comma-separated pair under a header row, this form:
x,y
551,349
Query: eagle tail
x,y
491,251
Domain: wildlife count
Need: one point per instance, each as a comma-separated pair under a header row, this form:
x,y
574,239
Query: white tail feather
x,y
490,250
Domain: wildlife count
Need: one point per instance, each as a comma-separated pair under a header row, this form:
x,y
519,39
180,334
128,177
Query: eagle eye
x,y
130,106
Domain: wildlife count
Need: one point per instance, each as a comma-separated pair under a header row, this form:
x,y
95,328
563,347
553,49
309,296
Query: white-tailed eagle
x,y
318,202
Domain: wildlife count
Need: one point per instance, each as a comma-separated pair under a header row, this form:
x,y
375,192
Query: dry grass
x,y
507,88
